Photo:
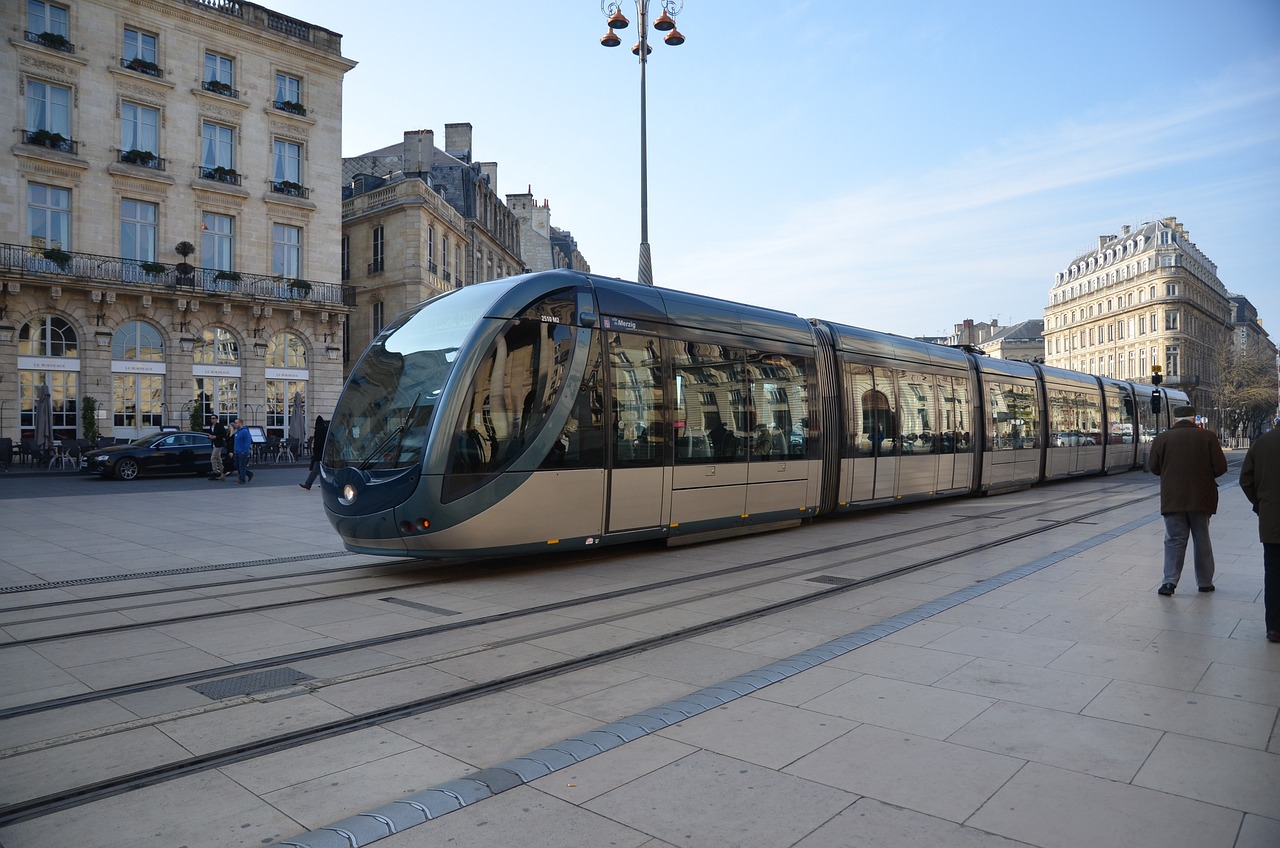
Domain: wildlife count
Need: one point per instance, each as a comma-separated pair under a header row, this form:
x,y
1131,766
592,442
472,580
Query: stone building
x,y
1145,298
418,220
544,247
172,241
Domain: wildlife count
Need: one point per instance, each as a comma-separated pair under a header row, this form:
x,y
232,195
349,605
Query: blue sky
x,y
898,166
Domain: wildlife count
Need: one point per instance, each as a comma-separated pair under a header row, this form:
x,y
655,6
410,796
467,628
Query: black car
x,y
158,453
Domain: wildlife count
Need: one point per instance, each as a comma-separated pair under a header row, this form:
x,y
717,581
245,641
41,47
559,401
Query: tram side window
x,y
953,402
581,442
1001,434
872,413
710,404
917,431
780,400
1121,415
1027,416
513,391
639,400
1091,418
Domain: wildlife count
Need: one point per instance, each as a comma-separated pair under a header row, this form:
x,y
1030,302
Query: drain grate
x,y
250,684
832,579
418,606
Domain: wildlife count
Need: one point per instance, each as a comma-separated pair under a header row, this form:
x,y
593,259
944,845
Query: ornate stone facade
x,y
1144,298
148,126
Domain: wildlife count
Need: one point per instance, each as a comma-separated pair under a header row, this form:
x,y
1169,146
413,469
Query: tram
x,y
561,410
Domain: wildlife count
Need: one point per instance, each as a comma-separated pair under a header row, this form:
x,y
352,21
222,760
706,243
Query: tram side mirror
x,y
587,319
1155,402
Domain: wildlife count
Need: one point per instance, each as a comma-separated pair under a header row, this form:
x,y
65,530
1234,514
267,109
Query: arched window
x,y
48,336
139,342
286,350
217,346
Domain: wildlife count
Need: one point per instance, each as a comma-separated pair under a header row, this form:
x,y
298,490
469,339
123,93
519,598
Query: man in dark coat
x,y
1188,460
1260,479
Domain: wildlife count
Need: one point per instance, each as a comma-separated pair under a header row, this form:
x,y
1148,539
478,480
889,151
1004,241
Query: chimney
x,y
417,151
490,170
1124,230
457,141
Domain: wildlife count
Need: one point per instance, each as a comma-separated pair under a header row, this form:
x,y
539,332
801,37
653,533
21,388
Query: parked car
x,y
158,453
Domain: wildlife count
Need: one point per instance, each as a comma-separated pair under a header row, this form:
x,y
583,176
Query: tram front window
x,y
384,416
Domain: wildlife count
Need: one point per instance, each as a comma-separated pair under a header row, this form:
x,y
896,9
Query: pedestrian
x,y
1188,460
217,432
243,444
1260,479
317,451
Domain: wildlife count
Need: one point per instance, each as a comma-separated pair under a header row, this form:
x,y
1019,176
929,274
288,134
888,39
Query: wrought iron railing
x,y
142,66
205,282
51,140
51,40
219,87
143,159
220,175
290,188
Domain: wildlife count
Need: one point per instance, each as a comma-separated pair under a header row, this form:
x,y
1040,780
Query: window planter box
x,y
142,66
221,175
291,107
219,87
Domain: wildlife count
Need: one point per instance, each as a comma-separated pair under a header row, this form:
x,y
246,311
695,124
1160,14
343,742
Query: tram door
x,y
917,436
638,420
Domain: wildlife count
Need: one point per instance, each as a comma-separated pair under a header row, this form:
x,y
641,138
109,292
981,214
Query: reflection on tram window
x,y
709,401
873,410
1015,419
639,400
916,425
514,391
780,402
581,441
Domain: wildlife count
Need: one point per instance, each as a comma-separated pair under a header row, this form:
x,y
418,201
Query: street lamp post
x,y
612,10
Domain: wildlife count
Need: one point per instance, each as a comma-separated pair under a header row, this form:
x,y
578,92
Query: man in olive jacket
x,y
1260,479
1188,460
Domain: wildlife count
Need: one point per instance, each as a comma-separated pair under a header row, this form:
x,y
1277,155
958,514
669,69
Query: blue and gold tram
x,y
571,410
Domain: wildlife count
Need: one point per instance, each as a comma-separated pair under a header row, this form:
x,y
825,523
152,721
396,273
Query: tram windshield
x,y
385,414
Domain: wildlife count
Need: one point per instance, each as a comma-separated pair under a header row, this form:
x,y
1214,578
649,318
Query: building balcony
x,y
143,159
220,175
291,107
142,66
218,87
51,40
36,262
51,140
291,189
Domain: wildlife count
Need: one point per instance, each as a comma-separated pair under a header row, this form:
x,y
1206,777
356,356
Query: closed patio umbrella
x,y
44,419
298,418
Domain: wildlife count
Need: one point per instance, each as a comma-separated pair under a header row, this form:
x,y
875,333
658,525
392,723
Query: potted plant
x,y
217,86
291,106
48,138
89,418
300,288
155,269
184,249
137,63
289,187
221,174
229,276
138,157
58,257
54,40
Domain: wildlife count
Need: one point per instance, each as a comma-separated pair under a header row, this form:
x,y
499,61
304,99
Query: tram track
x,y
233,588
231,670
75,796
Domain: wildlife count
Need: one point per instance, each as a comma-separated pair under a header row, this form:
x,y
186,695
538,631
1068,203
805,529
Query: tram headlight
x,y
348,496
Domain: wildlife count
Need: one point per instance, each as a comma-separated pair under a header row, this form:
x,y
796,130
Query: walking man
x,y
244,448
218,435
1260,479
1188,460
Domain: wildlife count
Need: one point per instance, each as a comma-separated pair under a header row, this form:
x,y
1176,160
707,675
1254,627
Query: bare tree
x,y
1248,395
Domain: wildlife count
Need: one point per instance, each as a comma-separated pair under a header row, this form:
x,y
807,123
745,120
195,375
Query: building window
x,y
377,317
217,241
346,257
376,265
217,153
444,256
49,216
1170,289
286,172
431,248
138,230
137,341
220,75
1171,320
50,25
1171,360
49,115
216,346
286,251
139,131
1151,293
286,350
289,94
138,52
